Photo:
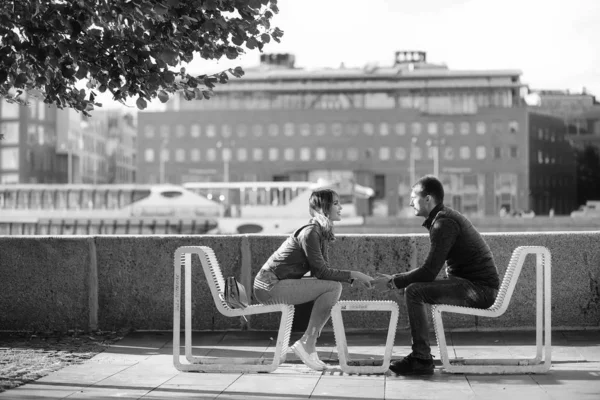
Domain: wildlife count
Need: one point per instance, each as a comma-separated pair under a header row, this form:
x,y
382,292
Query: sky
x,y
552,42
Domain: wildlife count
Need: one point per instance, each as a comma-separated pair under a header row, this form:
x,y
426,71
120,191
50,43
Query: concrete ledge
x,y
110,282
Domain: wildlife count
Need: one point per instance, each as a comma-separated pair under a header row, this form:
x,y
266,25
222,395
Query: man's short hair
x,y
431,186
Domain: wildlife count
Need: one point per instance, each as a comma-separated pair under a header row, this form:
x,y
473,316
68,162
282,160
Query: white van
x,y
591,209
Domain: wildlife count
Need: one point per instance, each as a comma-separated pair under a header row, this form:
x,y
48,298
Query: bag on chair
x,y
235,294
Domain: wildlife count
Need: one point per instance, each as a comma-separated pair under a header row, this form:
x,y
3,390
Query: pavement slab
x,y
140,366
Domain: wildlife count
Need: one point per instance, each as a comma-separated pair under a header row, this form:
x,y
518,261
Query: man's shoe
x,y
411,365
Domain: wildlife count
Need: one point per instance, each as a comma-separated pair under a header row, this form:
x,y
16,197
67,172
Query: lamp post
x,y
161,160
411,157
226,156
435,144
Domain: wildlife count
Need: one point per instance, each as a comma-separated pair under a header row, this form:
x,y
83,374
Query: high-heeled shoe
x,y
310,360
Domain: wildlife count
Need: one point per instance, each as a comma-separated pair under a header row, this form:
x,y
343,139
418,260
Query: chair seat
x,y
542,361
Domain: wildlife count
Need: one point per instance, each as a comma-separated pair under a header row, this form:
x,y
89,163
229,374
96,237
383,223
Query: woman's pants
x,y
297,291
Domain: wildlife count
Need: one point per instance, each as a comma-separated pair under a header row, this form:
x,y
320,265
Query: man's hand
x,y
381,282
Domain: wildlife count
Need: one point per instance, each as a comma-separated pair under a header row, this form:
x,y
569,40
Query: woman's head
x,y
324,207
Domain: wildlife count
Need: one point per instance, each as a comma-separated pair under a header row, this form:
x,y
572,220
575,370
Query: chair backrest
x,y
214,277
511,275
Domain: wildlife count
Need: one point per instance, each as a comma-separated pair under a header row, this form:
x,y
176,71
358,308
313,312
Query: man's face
x,y
421,204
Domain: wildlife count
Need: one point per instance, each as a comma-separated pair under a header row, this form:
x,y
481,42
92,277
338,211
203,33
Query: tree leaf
x,y
163,96
141,103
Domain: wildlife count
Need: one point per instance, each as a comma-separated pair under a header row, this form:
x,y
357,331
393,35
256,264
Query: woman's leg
x,y
297,291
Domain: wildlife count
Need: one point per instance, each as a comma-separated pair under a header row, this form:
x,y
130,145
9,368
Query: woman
x,y
279,280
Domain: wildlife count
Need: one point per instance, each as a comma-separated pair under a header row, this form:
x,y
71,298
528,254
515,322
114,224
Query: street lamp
x,y
226,156
411,157
435,144
161,160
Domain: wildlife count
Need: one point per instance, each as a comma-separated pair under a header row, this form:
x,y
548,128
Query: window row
x,y
334,129
322,154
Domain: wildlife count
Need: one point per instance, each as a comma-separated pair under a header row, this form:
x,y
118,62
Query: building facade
x,y
382,127
43,144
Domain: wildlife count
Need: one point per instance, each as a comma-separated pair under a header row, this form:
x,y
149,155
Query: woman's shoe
x,y
310,360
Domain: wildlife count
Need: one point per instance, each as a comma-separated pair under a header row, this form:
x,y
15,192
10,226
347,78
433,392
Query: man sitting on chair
x,y
472,277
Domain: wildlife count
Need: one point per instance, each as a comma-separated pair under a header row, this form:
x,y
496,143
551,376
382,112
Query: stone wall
x,y
112,282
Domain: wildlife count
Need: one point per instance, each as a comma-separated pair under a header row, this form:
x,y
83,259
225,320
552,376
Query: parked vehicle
x,y
591,209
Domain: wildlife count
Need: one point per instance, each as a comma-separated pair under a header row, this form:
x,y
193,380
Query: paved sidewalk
x,y
141,366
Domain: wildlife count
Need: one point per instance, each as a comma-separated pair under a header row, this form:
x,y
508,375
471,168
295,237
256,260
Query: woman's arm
x,y
310,242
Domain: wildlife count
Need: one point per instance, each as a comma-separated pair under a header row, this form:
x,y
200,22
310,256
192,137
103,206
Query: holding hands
x,y
364,279
382,282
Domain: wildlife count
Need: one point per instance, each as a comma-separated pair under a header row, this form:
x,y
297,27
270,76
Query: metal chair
x,y
363,366
542,360
216,283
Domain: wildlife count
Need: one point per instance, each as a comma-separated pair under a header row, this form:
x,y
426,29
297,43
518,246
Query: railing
x,y
131,226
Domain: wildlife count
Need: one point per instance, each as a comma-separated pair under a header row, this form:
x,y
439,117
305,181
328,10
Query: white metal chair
x,y
363,366
216,283
542,360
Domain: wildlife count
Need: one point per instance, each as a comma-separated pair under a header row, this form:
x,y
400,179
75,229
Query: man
x,y
472,278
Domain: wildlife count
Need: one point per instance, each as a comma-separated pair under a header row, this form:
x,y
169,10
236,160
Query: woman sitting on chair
x,y
279,280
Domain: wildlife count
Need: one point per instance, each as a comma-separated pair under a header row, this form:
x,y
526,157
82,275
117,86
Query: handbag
x,y
235,294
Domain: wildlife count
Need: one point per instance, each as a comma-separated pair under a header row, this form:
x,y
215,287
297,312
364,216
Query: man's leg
x,y
455,291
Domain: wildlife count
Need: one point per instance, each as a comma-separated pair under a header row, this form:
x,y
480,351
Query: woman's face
x,y
335,212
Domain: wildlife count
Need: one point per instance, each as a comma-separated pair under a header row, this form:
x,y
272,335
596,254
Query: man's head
x,y
426,193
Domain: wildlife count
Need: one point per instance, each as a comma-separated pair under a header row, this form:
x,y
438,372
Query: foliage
x,y
131,48
588,174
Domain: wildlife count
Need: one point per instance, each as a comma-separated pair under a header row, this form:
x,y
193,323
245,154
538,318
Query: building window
x,y
448,153
241,130
320,129
149,155
305,130
165,131
449,128
164,155
257,154
211,131
305,153
9,110
149,131
320,154
180,155
465,152
480,128
415,128
353,129
351,153
226,131
10,178
400,129
195,131
368,129
384,153
400,153
288,154
273,130
465,128
513,127
480,152
432,128
384,129
211,155
242,154
10,130
337,129
257,130
417,153
497,153
273,154
514,152
288,129
180,131
195,155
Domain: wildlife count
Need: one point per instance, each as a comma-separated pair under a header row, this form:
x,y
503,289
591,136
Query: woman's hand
x,y
364,279
381,282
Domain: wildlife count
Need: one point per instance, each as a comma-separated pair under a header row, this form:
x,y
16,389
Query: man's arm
x,y
442,237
